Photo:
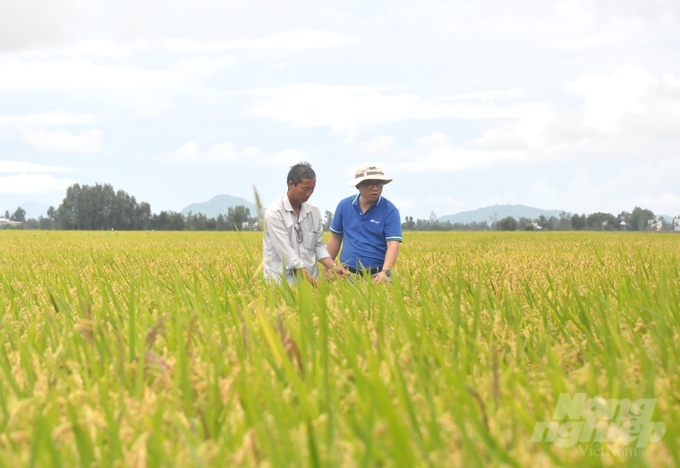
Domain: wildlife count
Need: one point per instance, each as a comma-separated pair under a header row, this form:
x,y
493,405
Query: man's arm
x,y
390,260
334,244
323,254
391,255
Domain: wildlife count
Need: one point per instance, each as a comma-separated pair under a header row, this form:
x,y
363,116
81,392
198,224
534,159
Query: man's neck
x,y
297,206
365,204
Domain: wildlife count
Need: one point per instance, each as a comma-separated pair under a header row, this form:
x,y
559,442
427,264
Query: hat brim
x,y
356,182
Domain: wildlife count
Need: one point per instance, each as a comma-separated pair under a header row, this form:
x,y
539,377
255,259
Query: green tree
x,y
328,219
508,224
639,218
19,215
408,224
221,223
236,216
100,207
602,222
578,223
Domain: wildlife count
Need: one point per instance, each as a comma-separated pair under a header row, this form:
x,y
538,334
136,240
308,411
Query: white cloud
x,y
648,184
486,95
277,67
103,48
32,184
403,203
9,167
501,137
608,98
453,159
226,152
285,158
349,109
205,65
149,112
31,129
626,117
444,201
78,75
378,145
32,22
46,119
63,141
433,141
289,40
542,189
659,110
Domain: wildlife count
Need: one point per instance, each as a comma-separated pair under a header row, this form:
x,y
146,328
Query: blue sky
x,y
570,105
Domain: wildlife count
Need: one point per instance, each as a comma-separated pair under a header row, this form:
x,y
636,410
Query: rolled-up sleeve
x,y
278,234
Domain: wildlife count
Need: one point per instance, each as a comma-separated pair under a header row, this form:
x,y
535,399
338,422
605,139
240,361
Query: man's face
x,y
370,190
301,192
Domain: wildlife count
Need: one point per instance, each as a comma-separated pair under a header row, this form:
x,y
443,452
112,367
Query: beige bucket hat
x,y
369,171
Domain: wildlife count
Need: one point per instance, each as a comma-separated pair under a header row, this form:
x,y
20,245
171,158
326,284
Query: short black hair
x,y
302,170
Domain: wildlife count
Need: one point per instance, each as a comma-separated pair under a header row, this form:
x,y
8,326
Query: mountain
x,y
219,204
499,212
33,210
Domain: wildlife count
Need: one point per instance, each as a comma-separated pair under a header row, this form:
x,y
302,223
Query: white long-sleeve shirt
x,y
285,250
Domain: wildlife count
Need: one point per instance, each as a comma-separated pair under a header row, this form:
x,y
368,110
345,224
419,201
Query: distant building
x,y
8,222
676,223
655,224
250,226
623,226
536,227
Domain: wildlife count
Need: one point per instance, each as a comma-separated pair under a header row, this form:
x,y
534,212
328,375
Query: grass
x,y
168,349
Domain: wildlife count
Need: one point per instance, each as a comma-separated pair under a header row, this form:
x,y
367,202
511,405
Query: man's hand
x,y
331,269
337,270
302,272
381,277
310,278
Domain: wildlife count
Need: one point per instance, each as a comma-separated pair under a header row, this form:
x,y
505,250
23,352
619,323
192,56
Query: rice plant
x,y
168,349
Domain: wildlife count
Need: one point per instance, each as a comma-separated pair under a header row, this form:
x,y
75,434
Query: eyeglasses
x,y
373,184
298,232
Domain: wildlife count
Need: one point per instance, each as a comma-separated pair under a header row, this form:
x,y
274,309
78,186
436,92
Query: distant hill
x,y
33,210
219,204
499,212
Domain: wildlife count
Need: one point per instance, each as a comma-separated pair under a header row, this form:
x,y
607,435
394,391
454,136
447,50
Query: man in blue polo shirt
x,y
368,225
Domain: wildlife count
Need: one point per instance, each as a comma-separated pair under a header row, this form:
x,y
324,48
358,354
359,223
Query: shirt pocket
x,y
310,242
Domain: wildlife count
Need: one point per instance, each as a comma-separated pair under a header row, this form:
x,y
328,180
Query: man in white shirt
x,y
293,232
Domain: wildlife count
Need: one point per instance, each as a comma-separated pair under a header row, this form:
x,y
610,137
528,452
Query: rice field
x,y
150,349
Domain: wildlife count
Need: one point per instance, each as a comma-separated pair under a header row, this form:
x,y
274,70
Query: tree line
x,y
100,207
636,220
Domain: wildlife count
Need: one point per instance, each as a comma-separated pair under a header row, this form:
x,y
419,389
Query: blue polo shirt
x,y
365,236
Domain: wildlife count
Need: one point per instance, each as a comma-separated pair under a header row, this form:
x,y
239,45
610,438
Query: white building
x,y
676,223
8,222
250,226
655,224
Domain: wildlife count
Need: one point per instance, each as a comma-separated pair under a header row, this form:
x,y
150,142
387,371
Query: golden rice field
x,y
168,349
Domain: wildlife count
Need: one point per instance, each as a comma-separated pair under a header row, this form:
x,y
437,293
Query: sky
x,y
570,105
